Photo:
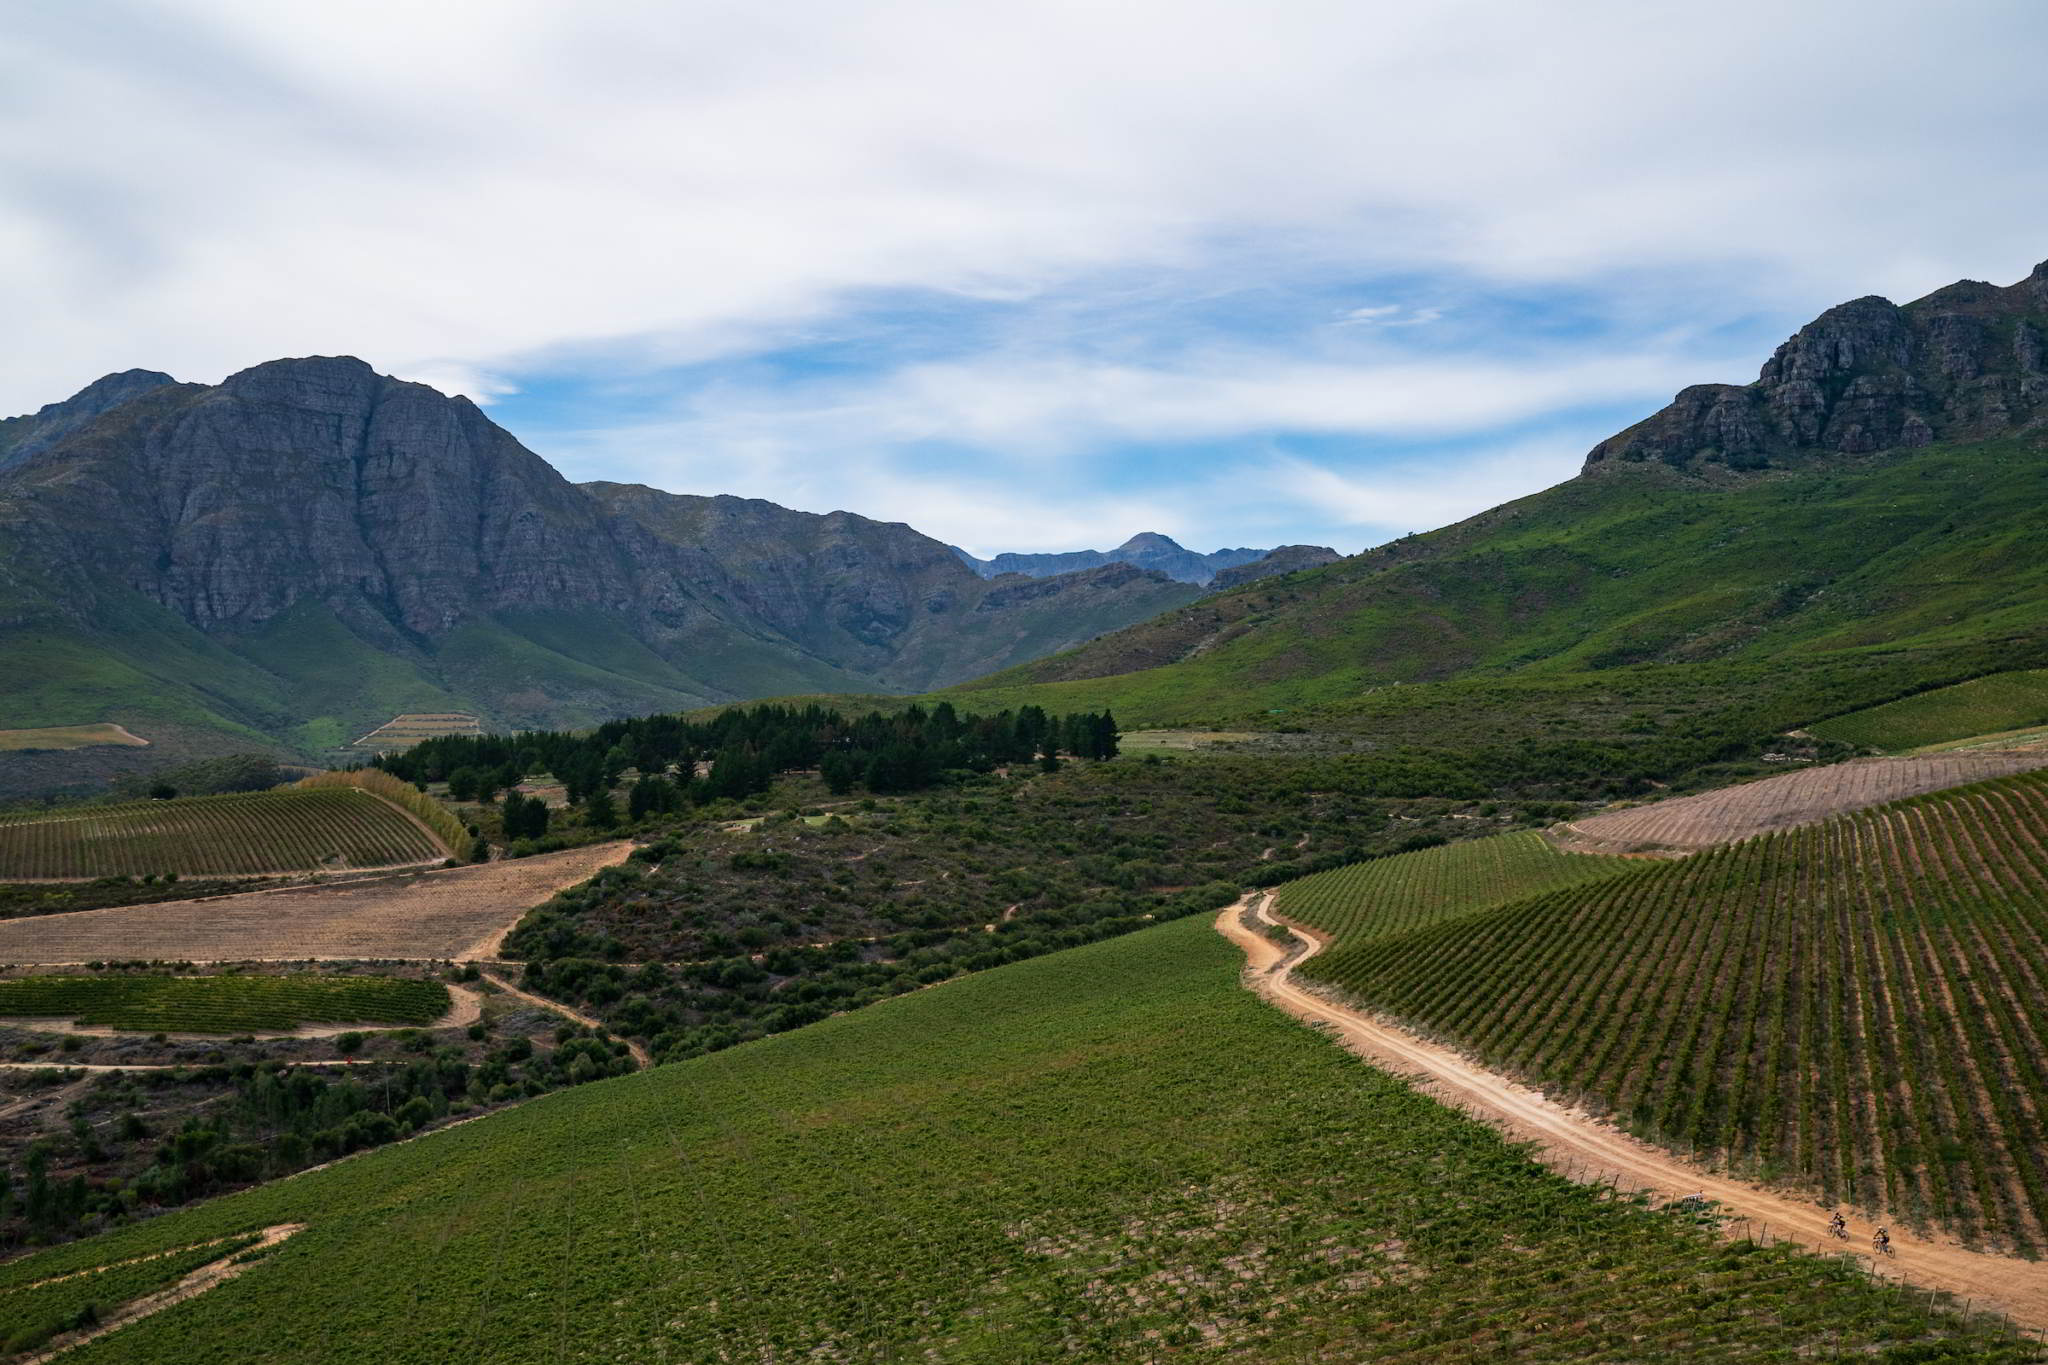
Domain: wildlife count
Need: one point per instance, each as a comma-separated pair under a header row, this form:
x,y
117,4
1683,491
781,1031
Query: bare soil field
x,y
455,914
402,732
1689,823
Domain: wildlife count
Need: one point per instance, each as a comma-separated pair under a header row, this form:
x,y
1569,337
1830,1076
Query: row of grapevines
x,y
222,1004
1857,1004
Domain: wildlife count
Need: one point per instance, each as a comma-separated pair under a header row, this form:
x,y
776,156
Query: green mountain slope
x,y
1927,550
1111,1154
1854,1005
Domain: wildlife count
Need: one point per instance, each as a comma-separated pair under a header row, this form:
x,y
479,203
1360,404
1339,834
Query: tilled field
x,y
433,915
1800,798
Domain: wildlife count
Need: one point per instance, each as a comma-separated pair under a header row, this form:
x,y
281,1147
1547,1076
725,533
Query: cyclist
x,y
1838,1225
1881,1242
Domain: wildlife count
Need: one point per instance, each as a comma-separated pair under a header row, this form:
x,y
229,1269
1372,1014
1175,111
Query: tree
x,y
462,784
599,810
162,791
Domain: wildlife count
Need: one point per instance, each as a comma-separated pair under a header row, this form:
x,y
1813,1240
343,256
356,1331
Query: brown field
x,y
1799,798
69,737
402,732
457,914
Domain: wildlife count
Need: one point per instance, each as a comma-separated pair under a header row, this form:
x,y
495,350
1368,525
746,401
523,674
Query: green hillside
x,y
1112,1154
1908,554
1982,706
1853,1005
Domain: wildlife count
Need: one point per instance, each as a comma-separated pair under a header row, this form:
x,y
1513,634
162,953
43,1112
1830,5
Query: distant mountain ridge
x,y
1146,550
309,546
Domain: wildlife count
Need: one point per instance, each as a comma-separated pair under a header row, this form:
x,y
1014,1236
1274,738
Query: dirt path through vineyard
x,y
1589,1149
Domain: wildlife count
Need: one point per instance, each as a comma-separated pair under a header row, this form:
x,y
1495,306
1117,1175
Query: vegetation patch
x,y
222,1004
252,833
1112,1154
2016,700
32,1314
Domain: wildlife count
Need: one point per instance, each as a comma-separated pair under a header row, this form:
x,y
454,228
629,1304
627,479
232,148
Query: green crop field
x,y
68,737
1982,706
1854,1005
290,830
32,1314
222,1004
1111,1154
1391,895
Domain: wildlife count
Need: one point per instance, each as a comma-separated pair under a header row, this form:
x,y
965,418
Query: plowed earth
x,y
1690,823
458,914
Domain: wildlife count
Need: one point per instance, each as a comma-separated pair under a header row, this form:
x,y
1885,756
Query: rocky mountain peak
x,y
21,437
1968,361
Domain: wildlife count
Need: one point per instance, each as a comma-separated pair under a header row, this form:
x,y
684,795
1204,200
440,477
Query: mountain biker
x,y
1838,1225
1882,1241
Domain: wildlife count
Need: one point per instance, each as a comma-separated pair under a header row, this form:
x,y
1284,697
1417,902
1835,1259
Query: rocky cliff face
x,y
1146,550
405,523
1285,559
1967,361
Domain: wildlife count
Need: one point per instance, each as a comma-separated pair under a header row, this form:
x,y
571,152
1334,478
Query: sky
x,y
1027,277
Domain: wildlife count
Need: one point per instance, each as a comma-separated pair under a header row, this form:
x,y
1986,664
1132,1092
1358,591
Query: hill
x,y
1873,497
1852,1006
1146,550
308,549
1111,1154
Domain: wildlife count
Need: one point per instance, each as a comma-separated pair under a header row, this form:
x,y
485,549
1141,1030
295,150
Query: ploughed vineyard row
x,y
1857,1005
246,833
1141,1163
222,1004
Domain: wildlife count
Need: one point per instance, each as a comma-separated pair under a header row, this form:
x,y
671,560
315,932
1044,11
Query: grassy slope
x,y
1852,1005
1932,549
1982,706
1055,1160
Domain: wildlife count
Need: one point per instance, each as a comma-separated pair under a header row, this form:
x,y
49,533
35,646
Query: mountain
x,y
1146,550
309,547
1878,489
1286,559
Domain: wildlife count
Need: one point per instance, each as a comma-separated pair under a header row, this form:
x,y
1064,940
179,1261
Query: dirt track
x,y
639,1053
456,914
1576,1143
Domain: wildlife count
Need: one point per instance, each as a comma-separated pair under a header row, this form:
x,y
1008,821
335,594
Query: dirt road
x,y
640,1054
456,914
1575,1143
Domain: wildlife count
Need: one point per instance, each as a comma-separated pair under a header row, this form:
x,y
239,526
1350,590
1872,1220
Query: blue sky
x,y
1028,278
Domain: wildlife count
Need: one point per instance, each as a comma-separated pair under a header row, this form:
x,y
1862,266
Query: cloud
x,y
504,195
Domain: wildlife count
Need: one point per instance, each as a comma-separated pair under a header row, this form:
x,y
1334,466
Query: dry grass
x,y
68,737
402,732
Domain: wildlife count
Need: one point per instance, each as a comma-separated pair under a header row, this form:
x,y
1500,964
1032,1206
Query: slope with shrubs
x,y
1856,1005
1112,1154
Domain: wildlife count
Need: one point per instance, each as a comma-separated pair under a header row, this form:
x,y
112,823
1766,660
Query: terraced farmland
x,y
222,1004
1392,895
1797,798
247,833
1110,1154
1856,1005
402,732
1982,706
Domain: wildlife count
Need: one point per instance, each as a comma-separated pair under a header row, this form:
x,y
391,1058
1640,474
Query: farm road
x,y
1571,1141
455,914
640,1054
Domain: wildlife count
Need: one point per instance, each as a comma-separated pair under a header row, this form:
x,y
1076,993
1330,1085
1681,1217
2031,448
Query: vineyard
x,y
1982,706
31,1314
1142,1162
446,825
1856,1005
1730,813
402,732
246,833
222,1004
1393,895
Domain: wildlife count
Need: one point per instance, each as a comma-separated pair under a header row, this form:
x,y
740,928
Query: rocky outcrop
x,y
21,437
1146,550
1285,559
1965,362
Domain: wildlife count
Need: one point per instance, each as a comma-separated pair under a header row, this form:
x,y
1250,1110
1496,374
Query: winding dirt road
x,y
639,1053
1579,1145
